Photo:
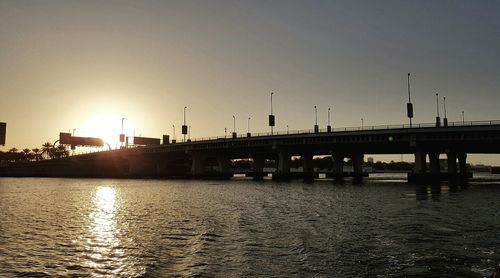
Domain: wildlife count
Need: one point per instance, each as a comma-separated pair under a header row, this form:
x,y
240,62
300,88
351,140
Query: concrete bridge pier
x,y
258,167
420,162
198,160
338,167
283,169
224,163
434,164
357,166
307,167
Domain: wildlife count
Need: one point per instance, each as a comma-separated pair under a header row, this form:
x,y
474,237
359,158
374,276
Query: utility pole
x,y
328,127
445,119
316,127
184,126
272,119
409,105
438,119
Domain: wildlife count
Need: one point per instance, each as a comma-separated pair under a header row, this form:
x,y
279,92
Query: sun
x,y
107,126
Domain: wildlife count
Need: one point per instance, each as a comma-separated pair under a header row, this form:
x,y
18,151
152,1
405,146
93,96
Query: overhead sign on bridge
x,y
146,141
3,132
68,139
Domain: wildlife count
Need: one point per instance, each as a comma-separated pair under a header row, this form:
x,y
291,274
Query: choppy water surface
x,y
240,228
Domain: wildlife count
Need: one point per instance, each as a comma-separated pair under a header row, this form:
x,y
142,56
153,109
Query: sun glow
x,y
107,126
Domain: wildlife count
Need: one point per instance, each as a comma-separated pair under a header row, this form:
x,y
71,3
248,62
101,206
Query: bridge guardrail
x,y
339,129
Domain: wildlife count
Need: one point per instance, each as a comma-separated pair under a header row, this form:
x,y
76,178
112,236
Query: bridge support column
x,y
198,164
434,163
420,162
224,163
258,167
338,166
357,167
452,164
307,167
462,163
283,171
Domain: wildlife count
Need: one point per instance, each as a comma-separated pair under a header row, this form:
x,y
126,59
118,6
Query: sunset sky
x,y
84,65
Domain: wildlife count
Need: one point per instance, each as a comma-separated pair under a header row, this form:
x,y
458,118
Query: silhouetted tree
x,y
47,150
37,154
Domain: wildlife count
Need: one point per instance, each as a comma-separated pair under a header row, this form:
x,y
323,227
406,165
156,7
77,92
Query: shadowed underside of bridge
x,y
212,158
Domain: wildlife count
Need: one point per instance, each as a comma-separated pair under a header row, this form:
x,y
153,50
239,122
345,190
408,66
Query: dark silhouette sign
x,y
68,139
146,141
3,131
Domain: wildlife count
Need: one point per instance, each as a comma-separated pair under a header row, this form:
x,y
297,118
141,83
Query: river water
x,y
242,228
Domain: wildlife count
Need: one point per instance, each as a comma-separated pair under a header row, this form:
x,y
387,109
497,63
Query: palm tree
x,y
27,156
60,151
37,155
47,150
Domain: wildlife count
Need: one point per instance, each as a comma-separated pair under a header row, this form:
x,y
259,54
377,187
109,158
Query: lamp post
x,y
272,119
328,127
248,127
463,117
438,119
122,135
362,123
184,127
409,105
316,127
189,134
445,120
234,127
287,131
173,135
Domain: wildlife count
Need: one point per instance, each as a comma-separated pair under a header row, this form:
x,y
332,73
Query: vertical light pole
x,y
445,120
122,135
184,126
225,132
362,123
463,117
328,127
189,134
287,130
248,127
272,119
234,127
438,119
409,105
173,135
316,127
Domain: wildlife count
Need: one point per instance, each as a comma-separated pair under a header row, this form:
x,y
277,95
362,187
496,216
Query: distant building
x,y
369,160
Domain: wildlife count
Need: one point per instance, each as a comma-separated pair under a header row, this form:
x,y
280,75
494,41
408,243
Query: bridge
x,y
211,157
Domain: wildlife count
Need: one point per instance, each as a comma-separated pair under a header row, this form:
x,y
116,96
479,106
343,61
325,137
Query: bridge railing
x,y
356,128
336,129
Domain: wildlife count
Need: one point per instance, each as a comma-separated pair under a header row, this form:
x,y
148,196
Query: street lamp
x,y
362,123
272,119
287,131
122,135
234,127
463,117
328,127
409,105
184,126
248,127
438,119
173,135
316,127
445,120
189,134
